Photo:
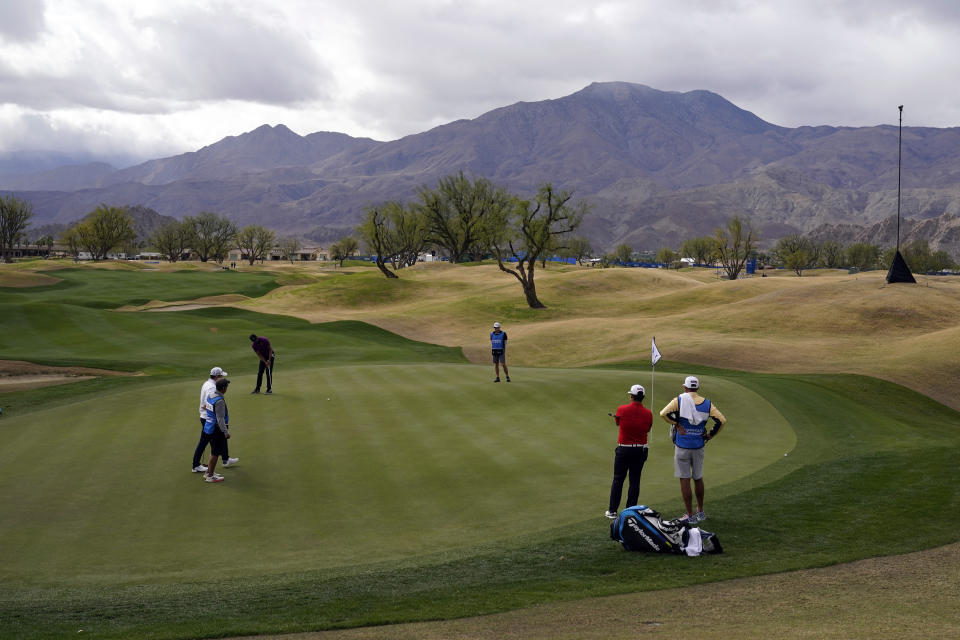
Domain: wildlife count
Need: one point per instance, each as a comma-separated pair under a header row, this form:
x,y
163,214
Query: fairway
x,y
343,465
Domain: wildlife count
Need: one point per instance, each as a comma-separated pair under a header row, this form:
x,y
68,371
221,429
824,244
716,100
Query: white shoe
x,y
611,514
200,469
213,478
231,461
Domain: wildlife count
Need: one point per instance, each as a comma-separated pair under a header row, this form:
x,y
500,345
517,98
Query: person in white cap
x,y
209,386
688,414
498,344
634,421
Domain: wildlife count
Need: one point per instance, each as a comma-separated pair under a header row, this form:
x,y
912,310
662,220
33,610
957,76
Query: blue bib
x,y
693,438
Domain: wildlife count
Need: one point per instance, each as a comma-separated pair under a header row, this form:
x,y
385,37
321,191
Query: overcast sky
x,y
152,78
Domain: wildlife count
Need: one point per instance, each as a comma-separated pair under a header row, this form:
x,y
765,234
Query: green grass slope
x,y
111,288
291,540
419,490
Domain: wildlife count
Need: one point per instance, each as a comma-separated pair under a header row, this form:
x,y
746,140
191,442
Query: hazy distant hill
x,y
658,166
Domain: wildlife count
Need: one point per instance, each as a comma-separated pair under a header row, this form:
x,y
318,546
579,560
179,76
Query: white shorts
x,y
687,463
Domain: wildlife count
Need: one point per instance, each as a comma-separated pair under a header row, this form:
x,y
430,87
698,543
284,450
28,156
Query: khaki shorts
x,y
687,463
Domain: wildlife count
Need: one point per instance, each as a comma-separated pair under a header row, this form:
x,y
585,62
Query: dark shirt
x,y
262,346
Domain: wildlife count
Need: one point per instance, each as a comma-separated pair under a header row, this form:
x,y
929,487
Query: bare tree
x,y
15,216
522,233
289,246
255,242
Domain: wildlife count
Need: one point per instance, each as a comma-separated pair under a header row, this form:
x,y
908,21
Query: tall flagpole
x,y
899,163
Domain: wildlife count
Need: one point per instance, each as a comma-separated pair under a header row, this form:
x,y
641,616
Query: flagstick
x,y
653,372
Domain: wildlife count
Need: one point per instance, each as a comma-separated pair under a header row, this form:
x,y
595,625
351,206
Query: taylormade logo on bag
x,y
633,525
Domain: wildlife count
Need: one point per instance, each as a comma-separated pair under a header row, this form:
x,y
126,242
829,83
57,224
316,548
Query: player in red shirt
x,y
634,421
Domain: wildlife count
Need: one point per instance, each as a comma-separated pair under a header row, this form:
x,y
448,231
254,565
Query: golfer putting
x,y
266,356
687,414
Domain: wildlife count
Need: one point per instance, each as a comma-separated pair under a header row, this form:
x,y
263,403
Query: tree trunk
x,y
383,268
530,291
529,287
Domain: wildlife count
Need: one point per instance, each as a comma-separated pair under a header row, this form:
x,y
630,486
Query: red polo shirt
x,y
634,421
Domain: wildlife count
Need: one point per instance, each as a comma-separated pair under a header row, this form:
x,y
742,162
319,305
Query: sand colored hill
x,y
830,322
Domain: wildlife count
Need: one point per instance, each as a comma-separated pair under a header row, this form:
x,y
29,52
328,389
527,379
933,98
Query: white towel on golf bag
x,y
694,542
688,410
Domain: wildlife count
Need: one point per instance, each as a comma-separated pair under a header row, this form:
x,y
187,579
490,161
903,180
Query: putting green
x,y
343,465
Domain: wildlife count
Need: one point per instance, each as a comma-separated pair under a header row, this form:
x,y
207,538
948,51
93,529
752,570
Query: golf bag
x,y
641,528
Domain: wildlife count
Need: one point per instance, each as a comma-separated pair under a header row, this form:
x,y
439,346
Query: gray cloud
x,y
165,64
21,20
209,56
386,69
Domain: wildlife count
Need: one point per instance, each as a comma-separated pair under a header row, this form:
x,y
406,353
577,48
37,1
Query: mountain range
x,y
658,167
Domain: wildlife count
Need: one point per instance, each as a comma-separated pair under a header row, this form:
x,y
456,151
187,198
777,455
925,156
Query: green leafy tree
x,y
831,255
863,256
396,234
71,239
255,242
104,230
377,234
409,228
733,244
941,261
577,248
173,239
15,215
699,249
456,213
46,242
622,253
213,234
919,257
343,249
668,256
523,232
796,252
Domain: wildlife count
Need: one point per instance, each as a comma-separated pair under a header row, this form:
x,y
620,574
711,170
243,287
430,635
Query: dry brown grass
x,y
23,279
831,323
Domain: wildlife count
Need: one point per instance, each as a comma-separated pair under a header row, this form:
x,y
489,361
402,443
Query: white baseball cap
x,y
691,382
637,390
496,325
217,371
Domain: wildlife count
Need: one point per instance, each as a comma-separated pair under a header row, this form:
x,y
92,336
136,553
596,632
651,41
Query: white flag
x,y
654,352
